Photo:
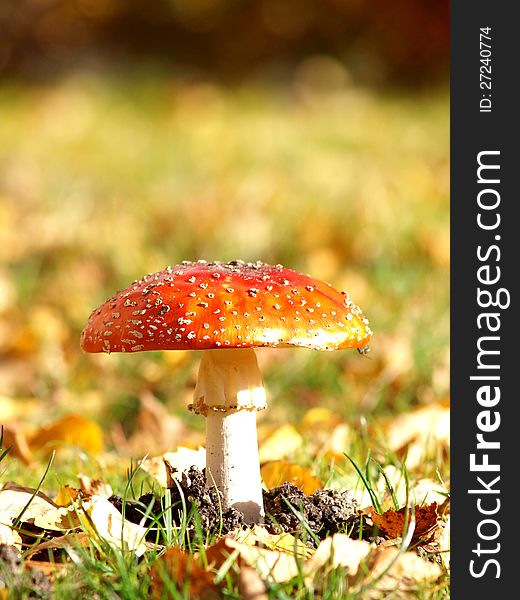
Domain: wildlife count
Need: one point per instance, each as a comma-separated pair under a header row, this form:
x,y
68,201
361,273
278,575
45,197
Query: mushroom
x,y
227,309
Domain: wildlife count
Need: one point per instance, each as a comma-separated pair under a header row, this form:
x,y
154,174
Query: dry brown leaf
x,y
399,573
173,464
62,541
280,444
72,430
276,472
50,569
339,550
182,571
392,523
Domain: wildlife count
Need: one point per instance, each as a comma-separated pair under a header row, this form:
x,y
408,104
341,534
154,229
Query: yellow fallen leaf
x,y
276,472
174,464
281,443
73,430
12,409
338,550
281,542
319,418
66,495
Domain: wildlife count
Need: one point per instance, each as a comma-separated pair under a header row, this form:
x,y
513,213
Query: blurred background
x,y
136,135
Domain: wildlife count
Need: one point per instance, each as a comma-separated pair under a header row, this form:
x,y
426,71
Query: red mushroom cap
x,y
201,305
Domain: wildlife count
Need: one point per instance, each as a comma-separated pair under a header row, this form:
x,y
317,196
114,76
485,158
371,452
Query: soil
x,y
190,490
288,509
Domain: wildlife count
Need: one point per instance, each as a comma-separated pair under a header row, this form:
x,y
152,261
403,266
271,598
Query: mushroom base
x,y
232,461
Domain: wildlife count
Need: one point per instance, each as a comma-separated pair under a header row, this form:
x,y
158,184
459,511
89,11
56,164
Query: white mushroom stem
x,y
229,391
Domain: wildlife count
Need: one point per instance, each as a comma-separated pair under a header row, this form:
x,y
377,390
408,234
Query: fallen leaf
x,y
250,585
15,438
392,523
419,433
393,570
94,487
181,571
173,464
269,564
338,550
72,430
276,472
9,536
319,418
428,491
281,542
68,540
66,495
9,409
325,433
50,569
110,525
338,441
22,504
445,544
280,444
157,430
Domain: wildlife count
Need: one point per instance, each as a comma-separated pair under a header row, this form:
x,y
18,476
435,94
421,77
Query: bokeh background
x,y
135,135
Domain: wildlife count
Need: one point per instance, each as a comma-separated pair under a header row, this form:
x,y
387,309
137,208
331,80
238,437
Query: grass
x,y
101,569
103,179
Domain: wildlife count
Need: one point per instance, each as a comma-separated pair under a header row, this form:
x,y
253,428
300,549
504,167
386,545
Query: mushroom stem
x,y
232,461
229,391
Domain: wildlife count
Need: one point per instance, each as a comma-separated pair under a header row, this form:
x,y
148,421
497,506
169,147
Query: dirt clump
x,y
287,509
